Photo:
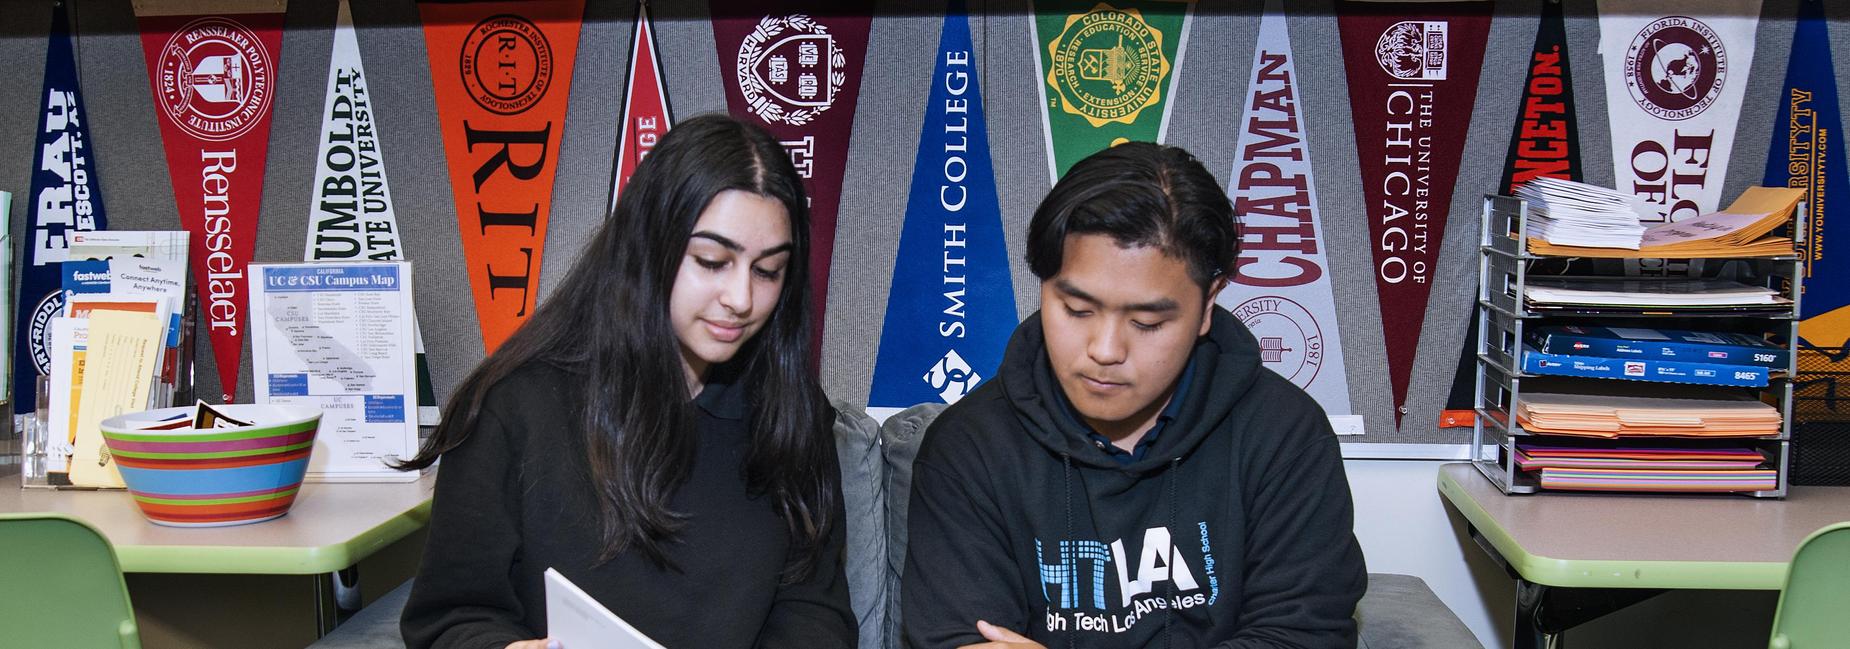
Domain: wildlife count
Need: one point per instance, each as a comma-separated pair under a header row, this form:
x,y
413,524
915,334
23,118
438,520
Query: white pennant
x,y
351,216
1282,289
1674,85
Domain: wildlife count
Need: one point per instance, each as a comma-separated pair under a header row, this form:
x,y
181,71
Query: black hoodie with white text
x,y
1234,529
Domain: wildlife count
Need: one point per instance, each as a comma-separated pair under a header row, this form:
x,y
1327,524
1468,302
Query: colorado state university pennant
x,y
645,104
502,72
799,75
214,82
1107,71
1281,285
66,197
1413,70
951,307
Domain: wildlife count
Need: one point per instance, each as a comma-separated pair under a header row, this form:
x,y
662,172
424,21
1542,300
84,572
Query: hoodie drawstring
x,y
1170,611
1066,488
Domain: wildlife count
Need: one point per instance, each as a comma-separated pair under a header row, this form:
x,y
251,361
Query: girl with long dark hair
x,y
653,432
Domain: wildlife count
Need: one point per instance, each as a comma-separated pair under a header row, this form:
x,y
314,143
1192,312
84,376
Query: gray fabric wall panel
x,y
899,72
1204,118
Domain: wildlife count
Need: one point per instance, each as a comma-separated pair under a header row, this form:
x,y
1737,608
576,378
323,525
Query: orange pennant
x,y
502,73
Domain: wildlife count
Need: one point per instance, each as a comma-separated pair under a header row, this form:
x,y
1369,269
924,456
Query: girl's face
x,y
730,278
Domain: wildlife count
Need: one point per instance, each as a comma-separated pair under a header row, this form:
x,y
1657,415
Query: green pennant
x,y
1107,69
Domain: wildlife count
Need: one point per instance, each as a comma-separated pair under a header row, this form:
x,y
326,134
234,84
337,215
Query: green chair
x,y
67,587
1811,608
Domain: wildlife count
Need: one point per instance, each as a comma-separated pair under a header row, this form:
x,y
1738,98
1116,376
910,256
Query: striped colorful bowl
x,y
188,477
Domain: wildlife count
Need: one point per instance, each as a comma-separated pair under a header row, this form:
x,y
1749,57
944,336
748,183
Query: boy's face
x,y
1120,323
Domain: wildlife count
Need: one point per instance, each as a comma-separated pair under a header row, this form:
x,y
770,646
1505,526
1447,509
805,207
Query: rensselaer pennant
x,y
502,72
645,104
351,218
1413,70
951,307
1107,71
214,82
66,196
798,74
1808,153
1281,284
1674,85
1545,142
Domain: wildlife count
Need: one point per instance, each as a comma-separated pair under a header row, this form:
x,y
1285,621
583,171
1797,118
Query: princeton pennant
x,y
799,76
1808,153
66,197
214,83
1107,71
951,308
352,217
502,72
1413,71
1281,285
1545,142
645,104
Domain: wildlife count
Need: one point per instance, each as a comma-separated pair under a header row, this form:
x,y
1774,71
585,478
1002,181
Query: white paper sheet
x,y
579,622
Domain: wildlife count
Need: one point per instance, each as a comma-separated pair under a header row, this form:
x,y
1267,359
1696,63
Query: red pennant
x,y
645,104
214,82
799,76
1413,70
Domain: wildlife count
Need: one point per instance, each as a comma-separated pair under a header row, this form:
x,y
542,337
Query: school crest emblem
x,y
790,69
1108,65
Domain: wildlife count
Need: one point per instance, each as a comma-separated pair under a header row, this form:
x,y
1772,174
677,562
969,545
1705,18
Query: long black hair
x,y
608,322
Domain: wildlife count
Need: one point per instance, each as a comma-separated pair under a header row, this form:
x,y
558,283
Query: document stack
x,y
1567,213
1667,372
1647,468
1745,229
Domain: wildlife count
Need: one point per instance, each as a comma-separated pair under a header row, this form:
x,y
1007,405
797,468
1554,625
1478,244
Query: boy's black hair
x,y
1139,194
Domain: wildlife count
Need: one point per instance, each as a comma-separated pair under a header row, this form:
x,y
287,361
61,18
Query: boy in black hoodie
x,y
1132,477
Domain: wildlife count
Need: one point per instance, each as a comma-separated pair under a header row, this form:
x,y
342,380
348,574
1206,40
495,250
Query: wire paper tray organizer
x,y
1505,268
1821,417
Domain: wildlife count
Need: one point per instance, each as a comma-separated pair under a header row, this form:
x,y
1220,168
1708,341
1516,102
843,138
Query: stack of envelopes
x,y
1641,468
1619,415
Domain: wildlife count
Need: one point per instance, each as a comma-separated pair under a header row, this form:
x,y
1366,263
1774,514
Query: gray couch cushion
x,y
900,436
863,486
1401,612
374,627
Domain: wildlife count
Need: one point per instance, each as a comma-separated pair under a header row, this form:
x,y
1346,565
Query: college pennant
x,y
502,72
799,76
1413,71
1674,85
214,84
951,307
1107,71
352,218
1545,142
1808,153
1281,283
645,104
65,197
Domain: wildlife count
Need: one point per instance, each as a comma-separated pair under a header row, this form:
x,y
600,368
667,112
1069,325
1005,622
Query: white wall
x,y
1405,527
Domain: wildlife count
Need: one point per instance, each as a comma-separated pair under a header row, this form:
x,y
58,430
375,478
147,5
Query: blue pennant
x,y
65,198
951,308
1806,153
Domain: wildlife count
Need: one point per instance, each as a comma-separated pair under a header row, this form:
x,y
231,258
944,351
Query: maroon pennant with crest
x,y
795,69
1413,70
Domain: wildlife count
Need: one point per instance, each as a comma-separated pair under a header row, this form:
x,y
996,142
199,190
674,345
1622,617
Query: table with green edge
x,y
1578,556
331,527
